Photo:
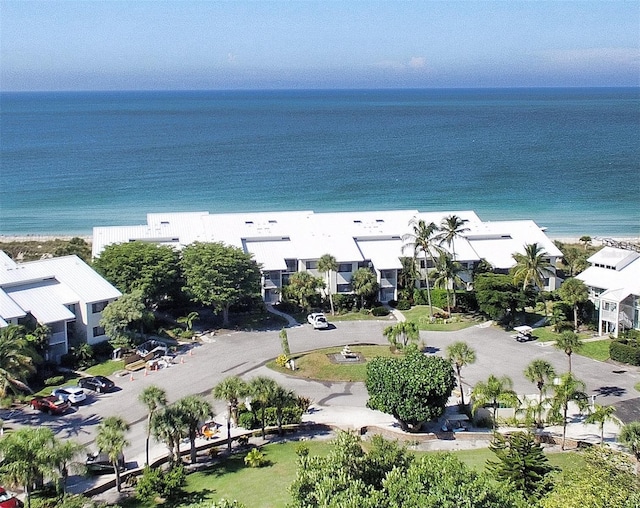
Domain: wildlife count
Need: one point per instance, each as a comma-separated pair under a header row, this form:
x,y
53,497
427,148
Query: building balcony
x,y
58,338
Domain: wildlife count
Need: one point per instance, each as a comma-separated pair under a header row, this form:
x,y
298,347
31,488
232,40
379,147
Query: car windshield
x,y
4,496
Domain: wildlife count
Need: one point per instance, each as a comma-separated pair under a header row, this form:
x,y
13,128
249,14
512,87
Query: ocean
x,y
567,158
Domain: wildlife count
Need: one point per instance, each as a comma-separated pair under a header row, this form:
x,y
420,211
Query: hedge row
x,y
625,351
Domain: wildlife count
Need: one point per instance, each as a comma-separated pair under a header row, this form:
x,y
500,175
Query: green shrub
x,y
625,351
155,482
380,311
303,403
255,458
54,381
344,302
247,420
290,415
287,307
404,305
420,297
282,360
302,449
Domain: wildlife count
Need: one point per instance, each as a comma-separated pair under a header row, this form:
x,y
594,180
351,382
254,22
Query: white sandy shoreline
x,y
595,240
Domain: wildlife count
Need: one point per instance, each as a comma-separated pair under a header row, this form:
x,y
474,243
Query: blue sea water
x,y
567,158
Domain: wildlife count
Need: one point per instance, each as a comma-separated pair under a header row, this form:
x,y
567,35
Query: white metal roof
x,y
617,284
8,308
384,254
45,301
271,254
616,258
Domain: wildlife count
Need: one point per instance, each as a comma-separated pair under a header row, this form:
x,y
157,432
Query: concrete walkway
x,y
290,319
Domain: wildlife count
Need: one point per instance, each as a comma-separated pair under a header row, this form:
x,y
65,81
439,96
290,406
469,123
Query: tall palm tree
x,y
154,398
421,240
574,292
532,266
16,360
167,426
193,409
231,390
493,392
447,271
26,455
460,354
451,227
260,389
400,334
280,398
540,372
62,457
328,264
601,415
567,389
111,440
630,437
569,342
364,283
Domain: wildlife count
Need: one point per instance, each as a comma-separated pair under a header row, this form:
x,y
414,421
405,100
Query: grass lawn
x,y
316,365
598,349
355,316
420,315
267,486
546,334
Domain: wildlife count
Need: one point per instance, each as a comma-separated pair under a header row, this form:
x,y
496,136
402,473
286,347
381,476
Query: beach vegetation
x,y
33,250
219,275
532,267
413,389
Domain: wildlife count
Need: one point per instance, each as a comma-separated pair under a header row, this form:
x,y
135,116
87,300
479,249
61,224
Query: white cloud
x,y
231,58
417,62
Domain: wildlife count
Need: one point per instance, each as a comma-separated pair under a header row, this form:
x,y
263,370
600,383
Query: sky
x,y
196,45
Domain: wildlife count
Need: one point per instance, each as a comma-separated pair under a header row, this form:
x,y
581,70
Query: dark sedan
x,y
98,384
99,463
50,404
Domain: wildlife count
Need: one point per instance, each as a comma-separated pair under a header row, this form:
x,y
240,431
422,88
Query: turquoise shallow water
x,y
567,158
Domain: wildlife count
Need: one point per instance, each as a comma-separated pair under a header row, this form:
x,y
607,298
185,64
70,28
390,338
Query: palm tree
x,y
447,276
532,266
421,240
280,398
111,440
327,264
494,392
630,436
62,457
460,354
569,342
16,360
167,426
539,372
586,240
601,415
260,389
193,409
364,283
231,390
154,398
27,459
568,388
189,319
400,334
574,292
451,227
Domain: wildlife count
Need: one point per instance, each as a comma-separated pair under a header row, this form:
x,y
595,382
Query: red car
x,y
50,404
8,500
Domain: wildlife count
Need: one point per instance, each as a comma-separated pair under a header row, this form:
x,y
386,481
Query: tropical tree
x,y
364,284
16,360
400,334
284,343
586,240
600,415
260,389
567,389
447,277
193,409
497,295
414,388
408,275
219,275
27,457
167,426
111,440
569,342
540,372
231,390
62,457
460,354
302,287
630,437
422,240
522,463
119,317
280,397
154,398
531,267
188,320
75,247
328,264
574,292
451,227
493,392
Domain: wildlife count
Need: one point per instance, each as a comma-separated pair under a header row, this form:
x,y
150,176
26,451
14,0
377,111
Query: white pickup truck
x,y
318,320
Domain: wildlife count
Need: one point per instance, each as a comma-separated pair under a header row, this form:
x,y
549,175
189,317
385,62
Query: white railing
x,y
58,338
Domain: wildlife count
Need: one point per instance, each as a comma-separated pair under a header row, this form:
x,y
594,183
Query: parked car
x,y
72,394
9,500
97,383
50,404
318,320
99,463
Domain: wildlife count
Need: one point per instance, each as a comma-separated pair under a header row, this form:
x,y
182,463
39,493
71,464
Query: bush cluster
x,y
54,381
251,420
380,311
625,350
155,482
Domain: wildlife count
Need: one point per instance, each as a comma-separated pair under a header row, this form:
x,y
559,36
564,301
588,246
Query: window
x,y
98,307
345,267
98,331
343,288
72,307
311,265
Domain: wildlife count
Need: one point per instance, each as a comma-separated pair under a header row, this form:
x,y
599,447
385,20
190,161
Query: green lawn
x,y
355,316
420,315
317,365
598,350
